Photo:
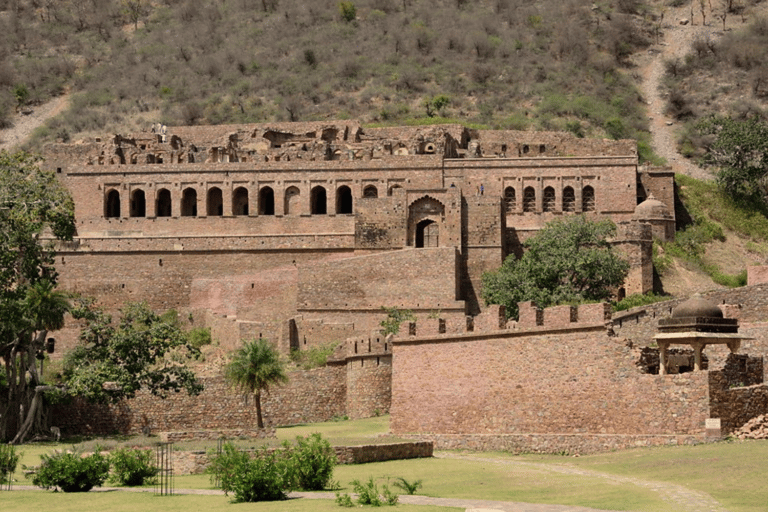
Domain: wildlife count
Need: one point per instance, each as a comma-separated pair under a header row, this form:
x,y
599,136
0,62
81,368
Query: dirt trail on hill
x,y
24,124
676,42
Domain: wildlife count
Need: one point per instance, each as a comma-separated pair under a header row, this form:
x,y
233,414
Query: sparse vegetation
x,y
313,357
510,57
395,317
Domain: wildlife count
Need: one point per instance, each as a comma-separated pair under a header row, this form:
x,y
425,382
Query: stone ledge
x,y
212,435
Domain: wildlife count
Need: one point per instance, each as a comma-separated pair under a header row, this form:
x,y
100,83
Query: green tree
x,y
114,362
740,150
570,260
395,317
255,366
31,200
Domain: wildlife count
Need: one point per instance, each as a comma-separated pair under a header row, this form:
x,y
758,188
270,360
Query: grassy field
x,y
727,471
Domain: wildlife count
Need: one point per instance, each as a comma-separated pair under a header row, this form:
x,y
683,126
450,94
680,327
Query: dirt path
x,y
680,497
24,124
676,43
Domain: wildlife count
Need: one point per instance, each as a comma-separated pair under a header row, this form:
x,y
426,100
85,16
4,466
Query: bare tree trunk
x,y
34,414
259,419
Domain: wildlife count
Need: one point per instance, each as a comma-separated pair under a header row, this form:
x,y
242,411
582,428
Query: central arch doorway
x,y
427,233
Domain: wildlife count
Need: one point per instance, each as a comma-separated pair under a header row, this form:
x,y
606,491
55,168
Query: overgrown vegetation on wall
x,y
502,63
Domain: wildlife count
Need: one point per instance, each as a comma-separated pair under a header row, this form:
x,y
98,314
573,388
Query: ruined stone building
x,y
301,232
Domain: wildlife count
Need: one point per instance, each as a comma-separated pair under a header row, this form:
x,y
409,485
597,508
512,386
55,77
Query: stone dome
x,y
652,208
697,306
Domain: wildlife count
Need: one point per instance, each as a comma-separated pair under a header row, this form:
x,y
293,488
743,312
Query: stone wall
x,y
196,462
570,444
567,381
369,385
310,396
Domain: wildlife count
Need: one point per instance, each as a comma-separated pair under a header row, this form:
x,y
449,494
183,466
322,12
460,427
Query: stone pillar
x,y
697,349
663,357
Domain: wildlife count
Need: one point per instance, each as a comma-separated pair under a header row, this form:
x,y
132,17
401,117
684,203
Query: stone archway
x,y
426,217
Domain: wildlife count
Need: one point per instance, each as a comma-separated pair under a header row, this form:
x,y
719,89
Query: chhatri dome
x,y
652,208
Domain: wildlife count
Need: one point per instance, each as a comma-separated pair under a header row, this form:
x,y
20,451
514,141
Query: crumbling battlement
x,y
317,141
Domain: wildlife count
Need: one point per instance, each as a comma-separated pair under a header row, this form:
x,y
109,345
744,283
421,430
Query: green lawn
x,y
730,472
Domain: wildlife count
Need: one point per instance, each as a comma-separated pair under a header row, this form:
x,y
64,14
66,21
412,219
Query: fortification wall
x,y
369,385
577,381
309,396
410,278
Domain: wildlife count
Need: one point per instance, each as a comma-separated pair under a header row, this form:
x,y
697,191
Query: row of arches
x,y
549,200
214,201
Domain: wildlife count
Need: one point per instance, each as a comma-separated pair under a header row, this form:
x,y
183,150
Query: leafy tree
x,y
114,361
740,150
31,200
570,260
254,367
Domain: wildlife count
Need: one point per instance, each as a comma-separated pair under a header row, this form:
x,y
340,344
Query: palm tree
x,y
253,368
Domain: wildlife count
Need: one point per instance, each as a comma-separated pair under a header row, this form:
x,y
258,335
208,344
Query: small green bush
x,y
132,466
71,471
262,478
409,487
344,500
367,493
200,336
310,463
313,357
8,461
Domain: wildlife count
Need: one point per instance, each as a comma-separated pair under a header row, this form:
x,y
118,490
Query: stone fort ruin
x,y
301,232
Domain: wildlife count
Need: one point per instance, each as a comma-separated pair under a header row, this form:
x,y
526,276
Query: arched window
x,y
318,201
163,203
569,200
266,201
215,202
392,189
343,200
588,199
112,204
548,203
427,233
138,204
189,203
292,197
529,199
240,201
510,201
370,191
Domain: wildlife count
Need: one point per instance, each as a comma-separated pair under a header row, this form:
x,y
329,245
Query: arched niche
x,y
426,217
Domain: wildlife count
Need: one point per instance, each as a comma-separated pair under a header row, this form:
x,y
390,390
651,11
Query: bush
x,y
71,471
310,463
405,485
132,467
314,357
367,493
262,478
638,299
200,336
8,461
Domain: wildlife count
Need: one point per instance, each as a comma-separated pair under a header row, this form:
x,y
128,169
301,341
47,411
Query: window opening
x,y
266,201
569,200
189,203
215,202
163,206
588,199
548,203
529,199
112,206
344,200
318,201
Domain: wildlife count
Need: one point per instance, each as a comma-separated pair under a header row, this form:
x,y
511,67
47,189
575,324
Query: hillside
x,y
75,68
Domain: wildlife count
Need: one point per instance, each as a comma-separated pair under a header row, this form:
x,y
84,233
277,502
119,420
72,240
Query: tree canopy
x,y
31,201
740,149
254,367
142,350
569,261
